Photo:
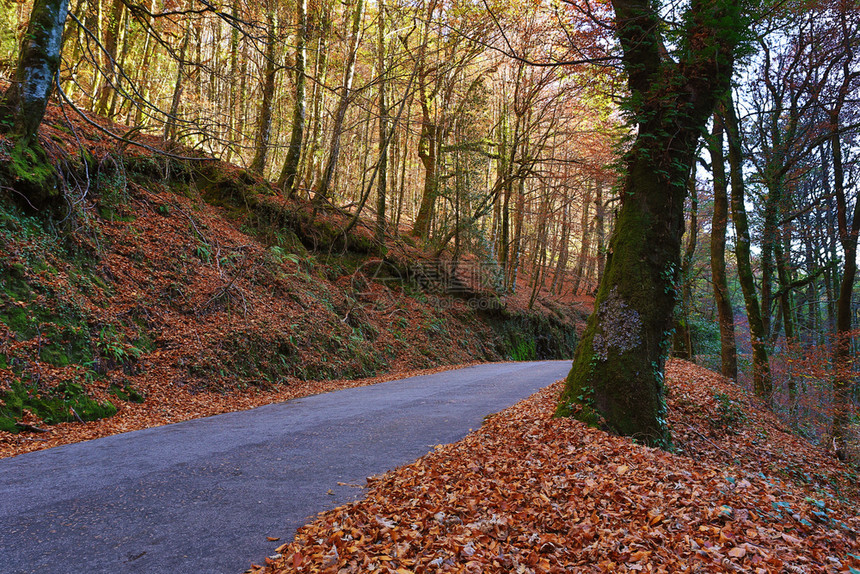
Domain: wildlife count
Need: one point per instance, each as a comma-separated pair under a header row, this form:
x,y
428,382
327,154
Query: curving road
x,y
203,496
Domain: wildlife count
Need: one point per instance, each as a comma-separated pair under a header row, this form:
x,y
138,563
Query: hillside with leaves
x,y
174,289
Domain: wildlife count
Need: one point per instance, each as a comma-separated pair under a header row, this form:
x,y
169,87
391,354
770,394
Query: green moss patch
x,y
65,403
532,336
265,357
126,392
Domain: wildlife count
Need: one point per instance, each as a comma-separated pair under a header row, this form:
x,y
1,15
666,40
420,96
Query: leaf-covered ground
x,y
529,493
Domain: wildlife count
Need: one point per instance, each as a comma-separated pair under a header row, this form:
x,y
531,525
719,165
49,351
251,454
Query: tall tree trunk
x,y
813,311
24,103
517,243
427,153
342,105
719,220
540,247
242,111
96,23
781,254
617,375
505,232
264,126
123,42
382,184
762,382
564,250
586,227
313,157
233,122
825,220
842,356
287,180
27,97
682,345
404,160
143,82
172,117
599,222
111,41
428,145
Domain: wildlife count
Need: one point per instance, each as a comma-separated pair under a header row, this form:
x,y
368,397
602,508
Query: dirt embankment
x,y
179,289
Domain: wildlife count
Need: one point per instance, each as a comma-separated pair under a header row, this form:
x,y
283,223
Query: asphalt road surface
x,y
202,496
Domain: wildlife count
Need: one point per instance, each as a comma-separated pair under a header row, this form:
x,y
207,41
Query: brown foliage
x,y
534,494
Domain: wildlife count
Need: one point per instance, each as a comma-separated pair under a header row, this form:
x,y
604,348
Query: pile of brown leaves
x,y
528,493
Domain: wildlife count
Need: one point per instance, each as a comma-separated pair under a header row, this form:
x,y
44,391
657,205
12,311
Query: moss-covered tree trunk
x,y
264,126
682,345
762,380
725,314
287,180
617,375
27,97
844,382
23,105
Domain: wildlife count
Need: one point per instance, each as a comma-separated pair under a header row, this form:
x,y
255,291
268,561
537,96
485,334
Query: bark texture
x,y
719,220
617,375
23,107
848,233
287,180
27,96
762,381
264,129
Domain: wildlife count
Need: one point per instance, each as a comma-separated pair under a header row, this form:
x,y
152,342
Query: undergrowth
x,y
64,403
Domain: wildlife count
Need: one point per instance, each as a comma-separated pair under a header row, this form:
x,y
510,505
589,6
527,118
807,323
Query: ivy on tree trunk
x,y
617,375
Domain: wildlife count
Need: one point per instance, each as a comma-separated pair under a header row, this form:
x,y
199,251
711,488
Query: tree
x,y
264,127
682,343
291,164
170,126
762,382
725,314
382,167
27,97
617,375
24,103
847,82
346,96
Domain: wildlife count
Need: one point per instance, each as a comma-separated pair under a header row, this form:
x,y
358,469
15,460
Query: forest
x,y
559,143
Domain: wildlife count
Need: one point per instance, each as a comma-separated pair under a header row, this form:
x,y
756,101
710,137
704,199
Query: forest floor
x,y
529,493
177,289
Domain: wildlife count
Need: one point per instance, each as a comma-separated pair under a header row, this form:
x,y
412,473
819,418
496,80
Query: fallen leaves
x,y
529,493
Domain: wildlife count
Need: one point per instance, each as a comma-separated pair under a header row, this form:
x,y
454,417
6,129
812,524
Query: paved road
x,y
202,496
